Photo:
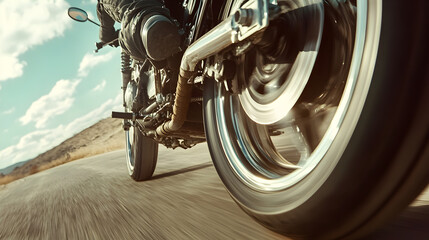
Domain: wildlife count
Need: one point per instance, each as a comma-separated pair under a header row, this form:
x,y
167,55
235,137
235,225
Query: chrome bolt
x,y
244,17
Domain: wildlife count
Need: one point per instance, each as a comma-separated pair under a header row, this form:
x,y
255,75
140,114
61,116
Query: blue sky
x,y
52,84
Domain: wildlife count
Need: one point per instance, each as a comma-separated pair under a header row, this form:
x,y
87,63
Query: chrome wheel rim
x,y
129,96
129,143
253,144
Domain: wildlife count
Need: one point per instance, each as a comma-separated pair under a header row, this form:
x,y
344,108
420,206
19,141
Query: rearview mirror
x,y
78,14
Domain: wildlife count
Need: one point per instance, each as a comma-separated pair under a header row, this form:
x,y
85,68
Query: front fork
x,y
126,74
126,70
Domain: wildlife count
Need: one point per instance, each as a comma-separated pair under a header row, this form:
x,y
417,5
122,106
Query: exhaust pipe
x,y
210,43
251,18
180,108
217,39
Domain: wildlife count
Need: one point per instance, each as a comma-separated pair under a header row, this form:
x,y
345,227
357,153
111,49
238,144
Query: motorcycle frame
x,y
252,17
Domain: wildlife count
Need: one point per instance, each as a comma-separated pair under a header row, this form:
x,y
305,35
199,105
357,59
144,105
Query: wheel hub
x,y
279,69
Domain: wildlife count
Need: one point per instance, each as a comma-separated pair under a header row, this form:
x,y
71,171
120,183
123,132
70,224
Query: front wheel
x,y
141,151
327,134
141,154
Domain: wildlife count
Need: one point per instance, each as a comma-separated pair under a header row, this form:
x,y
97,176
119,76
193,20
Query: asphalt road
x,y
94,198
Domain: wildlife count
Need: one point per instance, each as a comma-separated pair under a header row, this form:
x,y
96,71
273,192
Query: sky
x,y
52,84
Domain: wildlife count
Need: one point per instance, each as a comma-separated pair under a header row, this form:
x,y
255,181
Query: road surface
x,y
94,198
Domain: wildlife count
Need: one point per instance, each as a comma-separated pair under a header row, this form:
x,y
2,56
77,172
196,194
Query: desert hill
x,y
10,168
104,136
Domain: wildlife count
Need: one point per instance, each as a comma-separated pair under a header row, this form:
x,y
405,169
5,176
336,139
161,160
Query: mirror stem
x,y
94,22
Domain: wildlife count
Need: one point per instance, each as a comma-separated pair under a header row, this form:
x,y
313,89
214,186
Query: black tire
x,y
376,160
141,151
142,155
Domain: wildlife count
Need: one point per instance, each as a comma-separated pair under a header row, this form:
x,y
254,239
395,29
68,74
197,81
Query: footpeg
x,y
126,115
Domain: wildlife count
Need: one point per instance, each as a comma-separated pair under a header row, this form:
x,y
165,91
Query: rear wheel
x,y
328,134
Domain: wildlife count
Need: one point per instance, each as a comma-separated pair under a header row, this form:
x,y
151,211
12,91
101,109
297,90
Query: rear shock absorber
x,y
126,73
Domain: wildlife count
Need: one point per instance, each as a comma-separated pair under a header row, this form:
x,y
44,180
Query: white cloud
x,y
9,111
91,60
12,67
39,141
56,102
100,86
25,24
91,15
90,2
95,115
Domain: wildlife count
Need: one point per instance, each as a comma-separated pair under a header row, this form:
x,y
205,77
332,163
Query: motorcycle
x,y
314,111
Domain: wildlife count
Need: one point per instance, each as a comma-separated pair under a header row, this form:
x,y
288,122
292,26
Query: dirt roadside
x,y
104,136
